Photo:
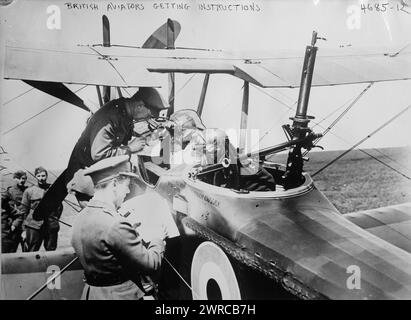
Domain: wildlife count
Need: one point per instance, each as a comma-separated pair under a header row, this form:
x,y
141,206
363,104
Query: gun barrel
x,y
263,152
283,146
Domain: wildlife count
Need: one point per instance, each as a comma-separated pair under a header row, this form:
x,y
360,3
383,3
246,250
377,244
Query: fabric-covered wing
x,y
80,66
134,67
392,224
329,70
284,69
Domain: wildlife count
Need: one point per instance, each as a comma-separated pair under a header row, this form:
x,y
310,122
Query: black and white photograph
x,y
236,150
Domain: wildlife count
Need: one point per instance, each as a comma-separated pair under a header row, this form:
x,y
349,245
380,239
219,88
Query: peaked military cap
x,y
110,168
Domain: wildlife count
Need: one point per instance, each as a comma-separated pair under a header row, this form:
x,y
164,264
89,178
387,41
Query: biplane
x,y
290,242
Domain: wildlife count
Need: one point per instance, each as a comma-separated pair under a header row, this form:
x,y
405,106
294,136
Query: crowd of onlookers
x,y
17,224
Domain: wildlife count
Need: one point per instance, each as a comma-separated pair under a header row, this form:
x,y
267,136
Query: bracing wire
x,y
375,158
319,124
37,114
346,110
181,277
364,139
390,158
112,65
183,86
341,115
18,96
71,204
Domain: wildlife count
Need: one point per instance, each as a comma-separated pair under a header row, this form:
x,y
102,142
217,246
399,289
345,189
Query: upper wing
x,y
82,65
284,70
134,67
392,224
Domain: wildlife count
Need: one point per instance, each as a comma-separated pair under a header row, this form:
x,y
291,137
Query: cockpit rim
x,y
304,188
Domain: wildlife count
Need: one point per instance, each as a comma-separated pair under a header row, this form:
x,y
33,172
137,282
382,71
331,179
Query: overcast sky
x,y
267,26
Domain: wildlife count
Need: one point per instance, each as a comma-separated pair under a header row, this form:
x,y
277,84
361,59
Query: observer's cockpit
x,y
189,142
184,141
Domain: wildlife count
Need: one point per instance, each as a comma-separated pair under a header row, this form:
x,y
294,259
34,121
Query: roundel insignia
x,y
212,275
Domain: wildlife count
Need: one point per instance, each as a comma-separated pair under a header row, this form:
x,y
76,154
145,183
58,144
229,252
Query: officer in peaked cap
x,y
109,248
110,168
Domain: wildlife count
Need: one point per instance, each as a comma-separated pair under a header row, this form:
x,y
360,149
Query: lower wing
x,y
392,224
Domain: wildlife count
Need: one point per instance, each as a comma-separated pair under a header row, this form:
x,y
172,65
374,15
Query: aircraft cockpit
x,y
182,141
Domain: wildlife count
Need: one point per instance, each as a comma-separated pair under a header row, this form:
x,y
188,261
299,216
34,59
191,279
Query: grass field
x,y
355,182
358,182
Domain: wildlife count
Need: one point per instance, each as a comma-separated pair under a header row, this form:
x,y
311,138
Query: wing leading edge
x,y
135,67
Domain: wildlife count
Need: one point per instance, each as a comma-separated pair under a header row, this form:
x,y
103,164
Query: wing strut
x,y
244,116
106,43
100,99
203,94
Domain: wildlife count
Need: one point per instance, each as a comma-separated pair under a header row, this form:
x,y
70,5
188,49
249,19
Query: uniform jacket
x,y
107,130
10,214
109,246
31,199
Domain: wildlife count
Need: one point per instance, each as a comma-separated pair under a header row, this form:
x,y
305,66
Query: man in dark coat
x,y
107,134
10,214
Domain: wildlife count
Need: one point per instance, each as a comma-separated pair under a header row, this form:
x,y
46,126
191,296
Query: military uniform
x,y
38,231
106,135
11,216
108,132
112,254
108,129
109,248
